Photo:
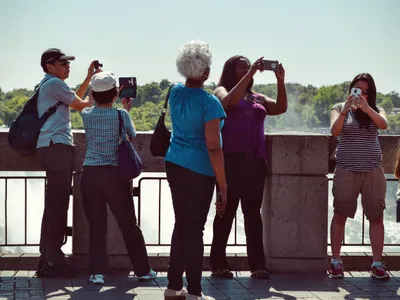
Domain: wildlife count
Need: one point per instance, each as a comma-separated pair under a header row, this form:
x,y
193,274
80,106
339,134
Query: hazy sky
x,y
319,42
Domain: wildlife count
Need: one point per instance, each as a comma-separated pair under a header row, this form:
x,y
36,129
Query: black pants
x,y
57,161
191,196
101,185
245,181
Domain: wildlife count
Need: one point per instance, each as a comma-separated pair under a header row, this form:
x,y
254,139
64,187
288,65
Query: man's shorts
x,y
348,185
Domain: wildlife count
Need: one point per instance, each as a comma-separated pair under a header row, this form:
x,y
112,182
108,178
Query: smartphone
x,y
356,92
129,90
270,65
97,64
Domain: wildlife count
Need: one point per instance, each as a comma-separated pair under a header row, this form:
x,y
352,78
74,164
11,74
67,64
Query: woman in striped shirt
x,y
358,170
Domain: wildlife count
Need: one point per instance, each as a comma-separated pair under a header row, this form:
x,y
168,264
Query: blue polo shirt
x,y
58,126
190,109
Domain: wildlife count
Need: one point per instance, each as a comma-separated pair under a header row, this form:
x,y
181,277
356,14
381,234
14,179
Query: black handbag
x,y
161,137
129,162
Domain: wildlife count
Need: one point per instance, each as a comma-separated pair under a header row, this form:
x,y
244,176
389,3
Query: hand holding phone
x,y
355,94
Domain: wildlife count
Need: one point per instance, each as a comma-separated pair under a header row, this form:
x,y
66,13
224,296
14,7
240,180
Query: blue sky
x,y
319,42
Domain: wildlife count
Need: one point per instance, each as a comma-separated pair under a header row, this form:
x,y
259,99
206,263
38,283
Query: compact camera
x,y
270,65
97,64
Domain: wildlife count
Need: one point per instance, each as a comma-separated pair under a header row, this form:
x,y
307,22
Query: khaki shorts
x,y
348,185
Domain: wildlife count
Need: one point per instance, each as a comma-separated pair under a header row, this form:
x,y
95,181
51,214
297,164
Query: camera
x,y
270,65
97,64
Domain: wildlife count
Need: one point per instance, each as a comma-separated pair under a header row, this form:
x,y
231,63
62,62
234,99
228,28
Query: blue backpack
x,y
25,129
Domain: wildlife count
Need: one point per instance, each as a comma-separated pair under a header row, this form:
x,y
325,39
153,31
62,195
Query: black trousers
x,y
245,179
57,161
101,185
191,197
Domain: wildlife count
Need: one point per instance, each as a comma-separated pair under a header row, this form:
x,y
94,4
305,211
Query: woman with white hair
x,y
194,164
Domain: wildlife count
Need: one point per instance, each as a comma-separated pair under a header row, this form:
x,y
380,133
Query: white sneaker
x,y
97,279
152,275
202,297
175,295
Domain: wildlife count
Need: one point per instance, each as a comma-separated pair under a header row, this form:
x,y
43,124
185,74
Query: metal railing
x,y
137,192
363,242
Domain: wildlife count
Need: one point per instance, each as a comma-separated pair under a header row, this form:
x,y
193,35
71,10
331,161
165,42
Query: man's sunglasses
x,y
62,63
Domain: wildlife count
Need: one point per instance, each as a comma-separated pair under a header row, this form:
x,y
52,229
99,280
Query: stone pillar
x,y
295,206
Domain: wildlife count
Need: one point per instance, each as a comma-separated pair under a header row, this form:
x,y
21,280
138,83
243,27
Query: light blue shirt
x,y
191,109
58,126
102,135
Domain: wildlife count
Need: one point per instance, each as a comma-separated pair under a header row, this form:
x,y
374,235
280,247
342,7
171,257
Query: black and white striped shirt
x,y
358,148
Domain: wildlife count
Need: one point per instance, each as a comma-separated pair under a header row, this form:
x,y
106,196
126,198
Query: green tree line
x,y
308,110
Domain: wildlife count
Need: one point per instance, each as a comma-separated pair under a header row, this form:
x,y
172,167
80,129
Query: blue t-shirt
x,y
102,135
190,109
57,128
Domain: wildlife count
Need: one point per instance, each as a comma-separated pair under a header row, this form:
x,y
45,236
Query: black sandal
x,y
260,274
222,273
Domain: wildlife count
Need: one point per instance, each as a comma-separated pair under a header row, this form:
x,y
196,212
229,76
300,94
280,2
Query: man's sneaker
x,y
202,297
175,295
57,270
336,269
152,275
379,271
99,279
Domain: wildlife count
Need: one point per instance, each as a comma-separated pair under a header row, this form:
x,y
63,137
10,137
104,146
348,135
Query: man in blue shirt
x,y
55,153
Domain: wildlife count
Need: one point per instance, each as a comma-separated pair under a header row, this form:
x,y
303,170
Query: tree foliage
x,y
308,110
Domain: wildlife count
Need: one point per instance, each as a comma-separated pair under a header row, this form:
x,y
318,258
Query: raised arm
x,y
231,98
278,106
379,118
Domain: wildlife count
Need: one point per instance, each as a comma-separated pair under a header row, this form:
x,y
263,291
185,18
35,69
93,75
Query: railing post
x,y
295,207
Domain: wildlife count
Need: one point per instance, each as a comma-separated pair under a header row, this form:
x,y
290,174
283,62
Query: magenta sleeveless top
x,y
243,131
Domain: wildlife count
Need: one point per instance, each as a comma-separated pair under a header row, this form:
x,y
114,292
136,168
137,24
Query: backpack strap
x,y
50,110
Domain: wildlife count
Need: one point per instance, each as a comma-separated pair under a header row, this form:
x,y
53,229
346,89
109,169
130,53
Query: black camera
x,y
97,64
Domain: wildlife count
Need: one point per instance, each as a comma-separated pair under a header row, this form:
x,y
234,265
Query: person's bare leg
x,y
337,234
376,235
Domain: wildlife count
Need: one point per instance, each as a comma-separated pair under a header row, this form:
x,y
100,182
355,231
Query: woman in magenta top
x,y
244,153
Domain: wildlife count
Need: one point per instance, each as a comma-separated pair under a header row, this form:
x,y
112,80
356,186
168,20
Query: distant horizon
x,y
207,83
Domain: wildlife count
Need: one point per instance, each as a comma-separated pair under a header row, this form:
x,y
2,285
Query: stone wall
x,y
295,207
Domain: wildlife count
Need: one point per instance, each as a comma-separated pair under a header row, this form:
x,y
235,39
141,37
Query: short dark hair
x,y
361,116
105,97
228,77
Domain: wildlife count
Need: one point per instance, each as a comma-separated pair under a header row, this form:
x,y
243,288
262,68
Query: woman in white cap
x,y
101,183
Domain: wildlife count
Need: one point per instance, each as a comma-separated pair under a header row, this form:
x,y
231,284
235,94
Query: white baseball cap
x,y
103,81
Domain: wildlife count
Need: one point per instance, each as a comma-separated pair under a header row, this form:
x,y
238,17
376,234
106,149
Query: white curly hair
x,y
193,59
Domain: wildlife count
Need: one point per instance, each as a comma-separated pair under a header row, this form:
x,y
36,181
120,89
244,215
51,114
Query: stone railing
x,y
295,207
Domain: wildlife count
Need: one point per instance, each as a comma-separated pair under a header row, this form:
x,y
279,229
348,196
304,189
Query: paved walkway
x,y
356,285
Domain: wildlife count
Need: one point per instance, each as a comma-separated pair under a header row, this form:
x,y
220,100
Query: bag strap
x,y
120,123
51,110
166,99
